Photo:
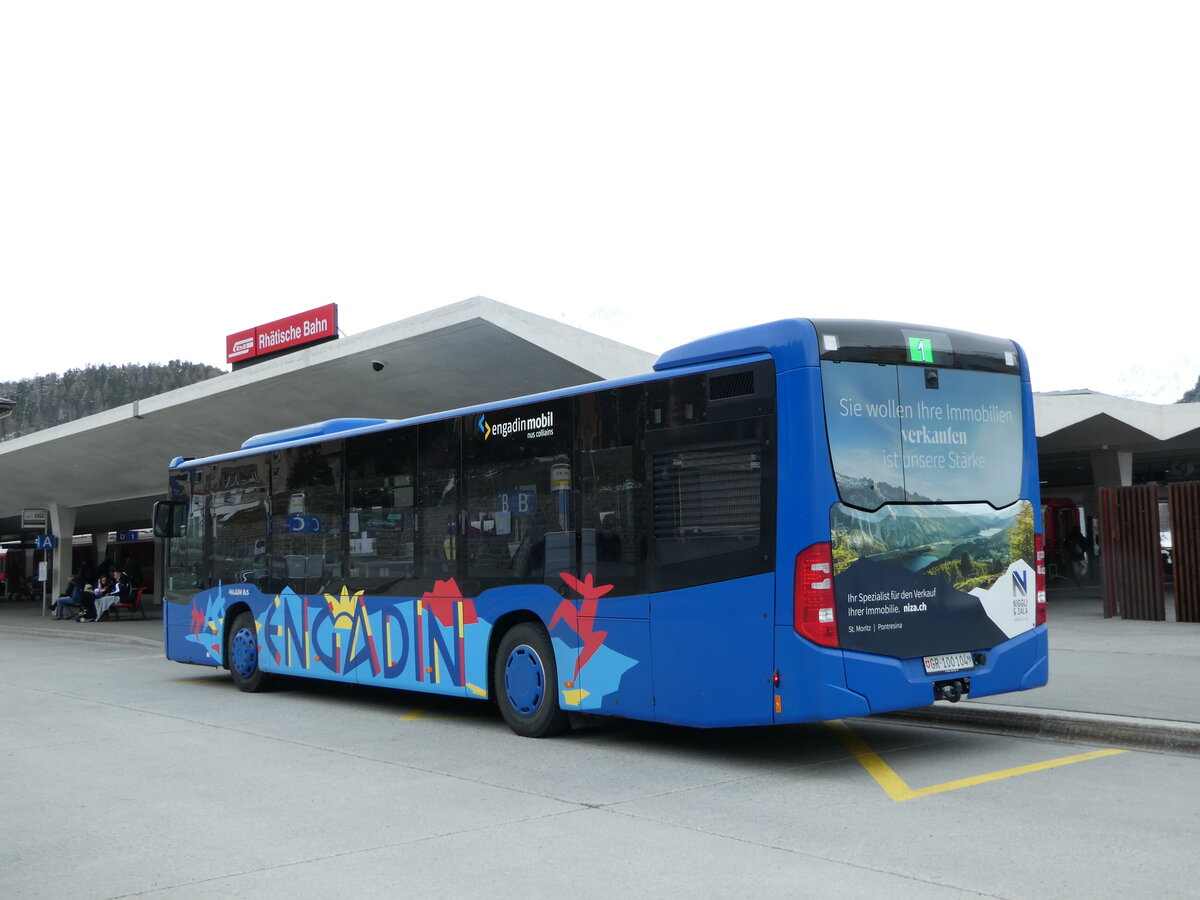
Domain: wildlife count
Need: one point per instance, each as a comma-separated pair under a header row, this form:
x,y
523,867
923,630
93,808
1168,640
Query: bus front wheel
x,y
242,655
526,682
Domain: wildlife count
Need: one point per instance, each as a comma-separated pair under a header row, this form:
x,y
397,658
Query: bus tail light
x,y
813,611
1039,579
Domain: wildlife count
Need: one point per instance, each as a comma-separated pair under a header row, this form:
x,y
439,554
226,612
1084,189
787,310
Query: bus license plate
x,y
948,662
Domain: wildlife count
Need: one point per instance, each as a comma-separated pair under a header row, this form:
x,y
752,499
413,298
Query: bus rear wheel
x,y
242,655
526,682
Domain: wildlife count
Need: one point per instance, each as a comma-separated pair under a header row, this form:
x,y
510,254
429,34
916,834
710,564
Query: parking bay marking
x,y
896,788
421,713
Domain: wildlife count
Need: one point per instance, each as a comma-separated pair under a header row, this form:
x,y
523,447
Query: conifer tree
x,y
48,400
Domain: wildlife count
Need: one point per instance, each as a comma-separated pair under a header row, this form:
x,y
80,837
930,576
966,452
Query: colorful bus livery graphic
x,y
798,521
428,643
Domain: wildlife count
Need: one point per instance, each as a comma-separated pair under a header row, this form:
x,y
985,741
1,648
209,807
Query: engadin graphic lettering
x,y
434,642
419,641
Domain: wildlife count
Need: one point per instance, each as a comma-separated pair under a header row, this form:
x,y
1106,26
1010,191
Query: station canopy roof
x,y
1072,426
112,466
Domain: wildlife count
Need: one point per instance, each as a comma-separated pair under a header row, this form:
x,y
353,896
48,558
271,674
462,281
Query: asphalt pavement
x,y
1116,682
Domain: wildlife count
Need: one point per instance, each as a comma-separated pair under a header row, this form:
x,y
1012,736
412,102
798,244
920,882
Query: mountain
x,y
49,400
1192,395
1154,381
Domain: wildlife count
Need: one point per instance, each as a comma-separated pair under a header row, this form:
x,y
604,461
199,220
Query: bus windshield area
x,y
913,434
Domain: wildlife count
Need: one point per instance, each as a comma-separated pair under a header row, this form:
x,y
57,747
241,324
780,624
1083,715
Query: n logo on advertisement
x,y
1020,584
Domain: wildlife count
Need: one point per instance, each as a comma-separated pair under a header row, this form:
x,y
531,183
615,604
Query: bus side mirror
x,y
169,519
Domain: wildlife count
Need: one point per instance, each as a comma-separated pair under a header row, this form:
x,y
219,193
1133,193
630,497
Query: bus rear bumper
x,y
891,684
818,683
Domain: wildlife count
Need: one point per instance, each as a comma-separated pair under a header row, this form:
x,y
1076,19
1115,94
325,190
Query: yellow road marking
x,y
896,788
423,713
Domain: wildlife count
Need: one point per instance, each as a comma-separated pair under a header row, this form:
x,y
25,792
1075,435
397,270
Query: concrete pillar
x,y
99,546
1112,468
62,524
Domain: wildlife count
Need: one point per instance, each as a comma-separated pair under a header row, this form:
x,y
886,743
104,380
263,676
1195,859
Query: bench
x,y
134,604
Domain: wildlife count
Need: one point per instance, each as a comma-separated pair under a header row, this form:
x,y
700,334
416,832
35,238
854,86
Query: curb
x,y
1126,732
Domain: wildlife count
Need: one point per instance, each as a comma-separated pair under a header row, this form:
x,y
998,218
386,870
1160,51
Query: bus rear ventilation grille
x,y
737,384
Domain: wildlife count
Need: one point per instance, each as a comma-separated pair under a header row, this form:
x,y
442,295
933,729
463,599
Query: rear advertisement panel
x,y
920,580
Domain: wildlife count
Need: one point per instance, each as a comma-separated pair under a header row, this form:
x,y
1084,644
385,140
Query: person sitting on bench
x,y
118,592
66,606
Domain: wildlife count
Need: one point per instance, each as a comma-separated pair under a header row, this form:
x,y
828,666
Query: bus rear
x,y
918,576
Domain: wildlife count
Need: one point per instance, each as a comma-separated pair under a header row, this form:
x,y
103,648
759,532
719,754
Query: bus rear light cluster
x,y
1039,579
813,610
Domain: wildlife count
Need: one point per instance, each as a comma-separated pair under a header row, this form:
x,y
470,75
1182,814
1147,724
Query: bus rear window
x,y
909,434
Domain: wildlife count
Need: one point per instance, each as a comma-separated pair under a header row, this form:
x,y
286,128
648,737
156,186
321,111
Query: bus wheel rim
x,y
243,653
524,680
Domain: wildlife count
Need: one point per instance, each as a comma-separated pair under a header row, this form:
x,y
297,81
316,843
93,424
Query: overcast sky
x,y
652,172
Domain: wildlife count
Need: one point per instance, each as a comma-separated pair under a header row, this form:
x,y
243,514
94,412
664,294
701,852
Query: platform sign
x,y
126,537
35,518
46,542
303,525
518,503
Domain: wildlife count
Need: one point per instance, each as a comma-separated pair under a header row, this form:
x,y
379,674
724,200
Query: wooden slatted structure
x,y
1133,584
1184,499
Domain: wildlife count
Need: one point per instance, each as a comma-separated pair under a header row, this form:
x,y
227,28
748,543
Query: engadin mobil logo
x,y
534,427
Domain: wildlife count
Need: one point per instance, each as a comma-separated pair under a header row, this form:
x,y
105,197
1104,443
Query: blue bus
x,y
797,521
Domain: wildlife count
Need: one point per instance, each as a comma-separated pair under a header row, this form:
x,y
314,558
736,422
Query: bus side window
x,y
438,534
610,480
711,460
382,518
520,523
307,512
707,500
237,517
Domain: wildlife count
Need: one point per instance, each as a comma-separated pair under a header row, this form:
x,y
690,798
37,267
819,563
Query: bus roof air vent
x,y
792,343
328,428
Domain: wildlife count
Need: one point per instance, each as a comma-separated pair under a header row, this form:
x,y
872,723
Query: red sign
x,y
240,346
283,334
